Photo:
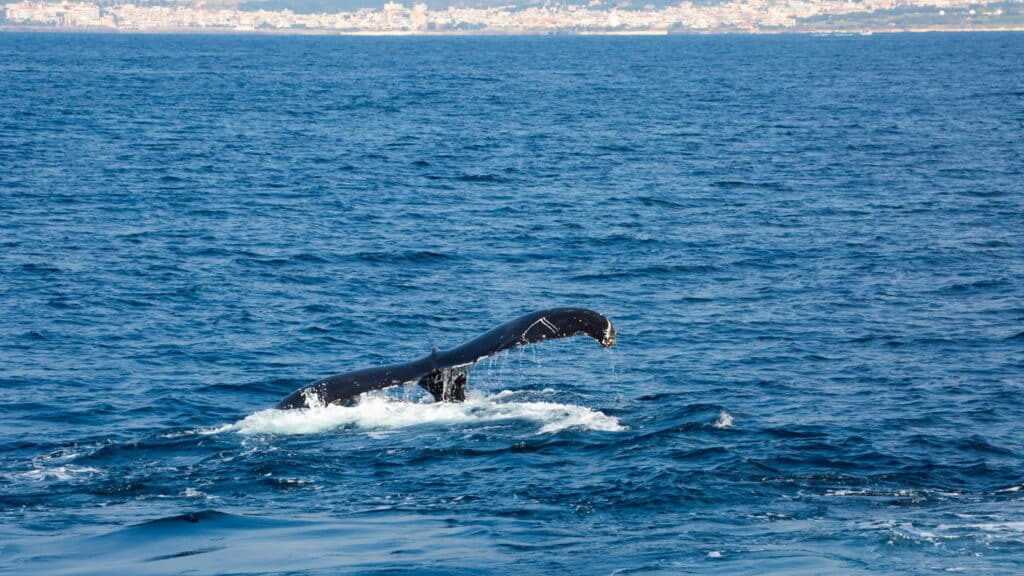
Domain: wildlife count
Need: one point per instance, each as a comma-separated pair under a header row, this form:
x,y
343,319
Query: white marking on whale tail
x,y
379,412
547,324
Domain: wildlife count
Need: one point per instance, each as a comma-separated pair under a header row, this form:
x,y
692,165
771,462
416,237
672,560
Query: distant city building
x,y
594,17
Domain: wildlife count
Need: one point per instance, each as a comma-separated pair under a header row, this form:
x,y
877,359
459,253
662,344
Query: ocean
x,y
812,249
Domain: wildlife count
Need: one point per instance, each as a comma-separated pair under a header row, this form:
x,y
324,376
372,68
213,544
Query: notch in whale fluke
x,y
444,373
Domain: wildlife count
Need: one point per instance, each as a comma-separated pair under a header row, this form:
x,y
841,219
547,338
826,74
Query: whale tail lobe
x,y
447,385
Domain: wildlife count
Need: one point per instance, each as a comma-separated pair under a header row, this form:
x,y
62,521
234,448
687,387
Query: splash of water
x,y
724,420
381,412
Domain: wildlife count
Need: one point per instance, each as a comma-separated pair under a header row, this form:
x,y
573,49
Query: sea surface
x,y
812,249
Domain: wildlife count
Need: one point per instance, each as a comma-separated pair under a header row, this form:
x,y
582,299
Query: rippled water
x,y
811,247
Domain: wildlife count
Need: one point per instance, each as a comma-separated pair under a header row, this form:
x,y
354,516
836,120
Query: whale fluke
x,y
444,373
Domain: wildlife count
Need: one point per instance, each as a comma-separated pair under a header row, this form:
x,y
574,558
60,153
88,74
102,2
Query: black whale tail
x,y
445,373
447,383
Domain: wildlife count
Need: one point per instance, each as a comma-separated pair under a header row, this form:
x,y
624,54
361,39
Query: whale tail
x,y
448,385
444,373
447,382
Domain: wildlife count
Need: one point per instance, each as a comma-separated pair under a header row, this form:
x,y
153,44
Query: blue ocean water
x,y
812,249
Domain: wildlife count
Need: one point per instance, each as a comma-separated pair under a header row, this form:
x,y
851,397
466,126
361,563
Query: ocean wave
x,y
63,473
991,532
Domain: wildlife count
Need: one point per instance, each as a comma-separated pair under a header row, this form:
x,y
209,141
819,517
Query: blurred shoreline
x,y
484,33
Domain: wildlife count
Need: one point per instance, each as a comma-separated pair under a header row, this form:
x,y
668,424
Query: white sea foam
x,y
60,473
873,493
724,420
382,413
992,531
1005,528
194,493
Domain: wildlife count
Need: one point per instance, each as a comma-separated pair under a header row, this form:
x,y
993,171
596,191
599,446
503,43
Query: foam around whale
x,y
376,412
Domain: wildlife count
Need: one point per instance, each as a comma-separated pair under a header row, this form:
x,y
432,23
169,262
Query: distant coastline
x,y
486,33
594,18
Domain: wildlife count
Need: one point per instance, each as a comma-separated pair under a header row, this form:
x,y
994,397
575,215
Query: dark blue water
x,y
812,248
